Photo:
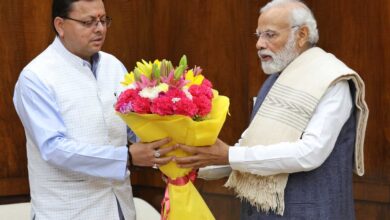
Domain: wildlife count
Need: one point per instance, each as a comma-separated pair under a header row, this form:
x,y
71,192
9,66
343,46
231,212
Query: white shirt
x,y
306,154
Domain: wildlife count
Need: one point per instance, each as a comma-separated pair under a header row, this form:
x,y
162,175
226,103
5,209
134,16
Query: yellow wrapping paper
x,y
185,201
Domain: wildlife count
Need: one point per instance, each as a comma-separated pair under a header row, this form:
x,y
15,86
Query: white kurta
x,y
86,106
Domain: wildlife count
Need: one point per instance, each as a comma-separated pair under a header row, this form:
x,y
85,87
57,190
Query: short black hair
x,y
61,8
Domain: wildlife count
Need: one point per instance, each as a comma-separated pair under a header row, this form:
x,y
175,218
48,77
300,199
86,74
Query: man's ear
x,y
59,26
302,36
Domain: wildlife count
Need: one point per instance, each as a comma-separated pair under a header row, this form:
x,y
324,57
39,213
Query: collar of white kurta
x,y
287,109
58,46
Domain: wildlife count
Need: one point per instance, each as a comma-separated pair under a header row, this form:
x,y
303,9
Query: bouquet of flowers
x,y
159,100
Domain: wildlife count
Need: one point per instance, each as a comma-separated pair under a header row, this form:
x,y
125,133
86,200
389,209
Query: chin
x,y
268,68
96,49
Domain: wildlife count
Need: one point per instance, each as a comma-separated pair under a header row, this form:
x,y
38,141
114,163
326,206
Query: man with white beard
x,y
306,136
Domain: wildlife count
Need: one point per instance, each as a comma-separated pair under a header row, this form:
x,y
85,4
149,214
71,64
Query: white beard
x,y
281,59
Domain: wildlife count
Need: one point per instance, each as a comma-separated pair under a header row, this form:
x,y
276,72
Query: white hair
x,y
300,15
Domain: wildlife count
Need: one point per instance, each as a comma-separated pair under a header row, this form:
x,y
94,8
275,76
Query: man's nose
x,y
261,43
99,26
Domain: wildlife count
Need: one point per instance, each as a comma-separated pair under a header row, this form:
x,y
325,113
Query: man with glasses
x,y
76,144
295,159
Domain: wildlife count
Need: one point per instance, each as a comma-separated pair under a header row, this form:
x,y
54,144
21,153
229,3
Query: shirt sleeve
x,y
214,172
41,118
311,150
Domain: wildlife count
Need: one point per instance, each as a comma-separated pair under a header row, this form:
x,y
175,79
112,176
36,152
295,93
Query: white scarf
x,y
287,108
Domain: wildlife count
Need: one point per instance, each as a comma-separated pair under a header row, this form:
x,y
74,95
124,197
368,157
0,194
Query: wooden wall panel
x,y
24,33
218,36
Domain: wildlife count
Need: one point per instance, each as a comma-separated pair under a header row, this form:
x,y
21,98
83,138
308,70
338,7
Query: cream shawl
x,y
287,108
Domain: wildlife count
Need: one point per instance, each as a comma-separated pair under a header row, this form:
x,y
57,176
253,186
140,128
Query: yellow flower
x,y
145,68
193,80
163,87
129,79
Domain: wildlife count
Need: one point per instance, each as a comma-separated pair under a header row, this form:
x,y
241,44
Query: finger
x,y
166,150
163,161
157,144
188,149
195,165
186,160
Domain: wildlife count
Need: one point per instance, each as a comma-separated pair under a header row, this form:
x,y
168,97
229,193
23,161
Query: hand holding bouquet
x,y
159,101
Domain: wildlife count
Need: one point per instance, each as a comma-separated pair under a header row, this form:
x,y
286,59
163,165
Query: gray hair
x,y
300,15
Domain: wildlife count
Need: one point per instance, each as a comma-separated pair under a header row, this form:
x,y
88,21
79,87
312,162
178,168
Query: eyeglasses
x,y
105,21
270,35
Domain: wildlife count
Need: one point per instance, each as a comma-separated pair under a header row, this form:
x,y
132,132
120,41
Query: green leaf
x,y
179,71
155,71
183,61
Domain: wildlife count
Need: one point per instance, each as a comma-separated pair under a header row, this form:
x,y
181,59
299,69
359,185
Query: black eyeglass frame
x,y
106,22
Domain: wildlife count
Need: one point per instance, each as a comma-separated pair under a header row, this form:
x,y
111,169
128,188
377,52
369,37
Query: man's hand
x,y
216,154
150,154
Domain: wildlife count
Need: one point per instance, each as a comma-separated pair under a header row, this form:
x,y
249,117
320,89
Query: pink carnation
x,y
124,103
141,105
185,106
198,91
174,92
207,83
204,105
196,102
162,105
181,104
